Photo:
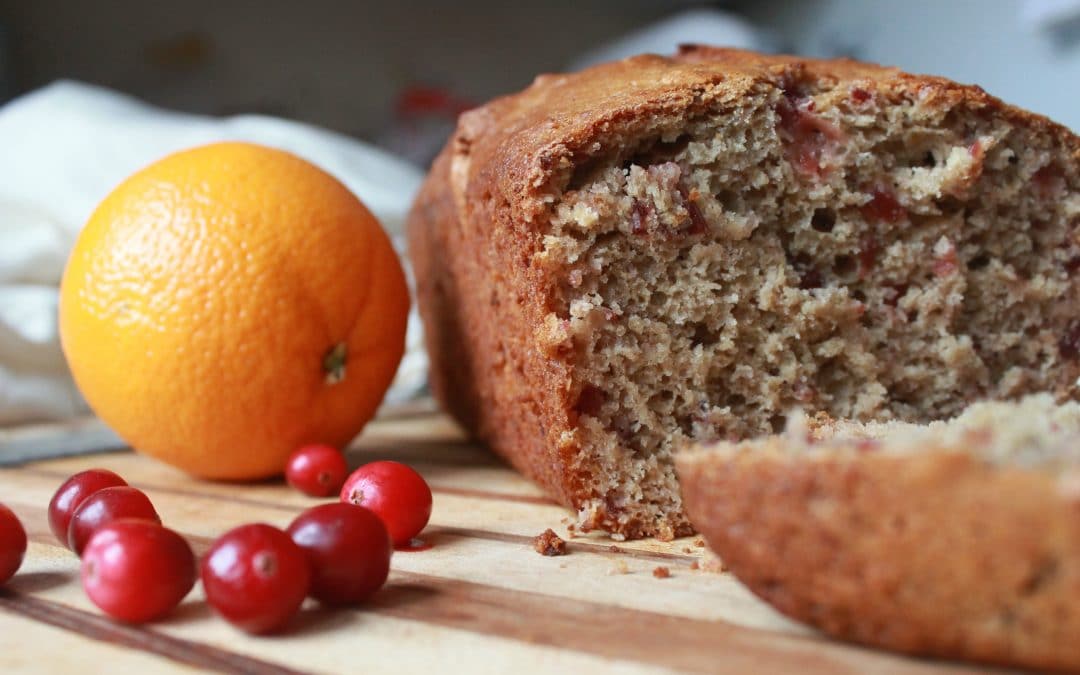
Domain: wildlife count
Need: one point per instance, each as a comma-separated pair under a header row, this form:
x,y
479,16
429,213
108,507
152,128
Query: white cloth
x,y
63,148
704,26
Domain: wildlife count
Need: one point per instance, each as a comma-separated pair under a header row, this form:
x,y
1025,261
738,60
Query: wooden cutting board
x,y
481,600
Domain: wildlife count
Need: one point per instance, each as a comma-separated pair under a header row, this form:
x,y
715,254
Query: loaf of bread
x,y
958,540
617,261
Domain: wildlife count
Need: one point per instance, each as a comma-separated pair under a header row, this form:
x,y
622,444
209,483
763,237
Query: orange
x,y
230,303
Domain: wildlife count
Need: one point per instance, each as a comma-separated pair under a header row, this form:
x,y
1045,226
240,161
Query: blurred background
x,y
92,91
398,73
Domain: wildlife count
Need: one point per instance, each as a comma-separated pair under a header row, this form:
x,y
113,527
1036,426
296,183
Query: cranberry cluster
x,y
256,576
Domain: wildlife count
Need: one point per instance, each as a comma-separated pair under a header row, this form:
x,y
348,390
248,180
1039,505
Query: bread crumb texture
x,y
618,262
1034,432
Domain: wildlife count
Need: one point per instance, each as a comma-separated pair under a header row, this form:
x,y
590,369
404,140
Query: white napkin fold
x,y
64,147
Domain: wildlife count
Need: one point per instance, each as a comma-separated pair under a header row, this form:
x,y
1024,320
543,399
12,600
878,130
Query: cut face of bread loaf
x,y
959,540
615,262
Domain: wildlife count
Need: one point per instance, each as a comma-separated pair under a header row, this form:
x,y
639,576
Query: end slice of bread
x,y
957,539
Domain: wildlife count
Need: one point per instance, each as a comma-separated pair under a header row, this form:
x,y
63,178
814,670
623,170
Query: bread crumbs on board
x,y
550,544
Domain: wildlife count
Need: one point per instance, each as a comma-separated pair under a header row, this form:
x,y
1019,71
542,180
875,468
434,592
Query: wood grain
x,y
481,600
97,627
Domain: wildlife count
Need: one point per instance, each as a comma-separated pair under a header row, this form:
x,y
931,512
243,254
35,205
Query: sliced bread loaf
x,y
613,262
958,539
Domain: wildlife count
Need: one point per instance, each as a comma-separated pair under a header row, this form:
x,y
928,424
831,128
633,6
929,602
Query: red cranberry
x,y
944,267
639,217
1069,344
883,207
868,253
317,470
945,260
976,150
12,544
349,549
808,138
1049,181
698,224
105,506
72,493
256,577
137,570
396,493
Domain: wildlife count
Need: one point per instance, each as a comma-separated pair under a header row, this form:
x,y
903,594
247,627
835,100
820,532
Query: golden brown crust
x,y
479,220
483,367
433,226
525,144
933,553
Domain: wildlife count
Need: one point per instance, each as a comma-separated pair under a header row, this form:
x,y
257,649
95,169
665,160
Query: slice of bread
x,y
616,261
958,539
